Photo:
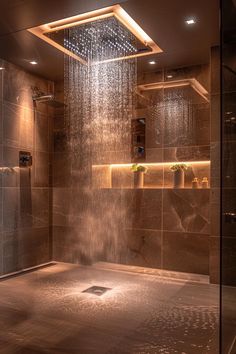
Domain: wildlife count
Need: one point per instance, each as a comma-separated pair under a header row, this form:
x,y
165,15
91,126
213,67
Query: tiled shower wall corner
x,y
167,228
25,193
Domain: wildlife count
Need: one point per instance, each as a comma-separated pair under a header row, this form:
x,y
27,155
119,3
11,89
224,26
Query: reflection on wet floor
x,y
46,311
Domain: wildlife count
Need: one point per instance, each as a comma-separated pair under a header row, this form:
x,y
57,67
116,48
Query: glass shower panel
x,y
228,181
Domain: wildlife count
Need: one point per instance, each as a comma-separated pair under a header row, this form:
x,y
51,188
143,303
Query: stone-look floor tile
x,y
214,260
186,252
144,248
186,210
140,314
187,153
143,208
25,248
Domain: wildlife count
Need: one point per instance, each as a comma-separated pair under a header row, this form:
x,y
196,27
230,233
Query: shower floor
x,y
46,311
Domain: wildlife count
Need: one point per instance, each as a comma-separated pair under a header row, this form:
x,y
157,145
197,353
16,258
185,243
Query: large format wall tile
x,y
17,87
134,219
40,169
190,153
188,211
186,252
18,126
144,248
25,248
143,208
25,208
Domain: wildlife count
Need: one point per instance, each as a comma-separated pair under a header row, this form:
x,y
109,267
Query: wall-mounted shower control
x,y
25,159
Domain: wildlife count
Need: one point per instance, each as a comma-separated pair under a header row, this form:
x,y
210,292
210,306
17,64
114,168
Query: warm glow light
x,y
190,21
33,62
152,62
195,84
169,76
205,162
116,11
1,68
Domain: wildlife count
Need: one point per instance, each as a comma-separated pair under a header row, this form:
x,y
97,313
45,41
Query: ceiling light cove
x,y
89,47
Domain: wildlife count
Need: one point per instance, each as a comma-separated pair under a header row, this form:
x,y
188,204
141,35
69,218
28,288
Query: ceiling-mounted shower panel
x,y
103,35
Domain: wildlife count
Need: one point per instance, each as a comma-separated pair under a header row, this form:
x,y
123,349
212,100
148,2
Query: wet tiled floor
x,y
46,311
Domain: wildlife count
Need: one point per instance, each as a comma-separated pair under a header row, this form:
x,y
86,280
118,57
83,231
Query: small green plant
x,y
138,168
178,167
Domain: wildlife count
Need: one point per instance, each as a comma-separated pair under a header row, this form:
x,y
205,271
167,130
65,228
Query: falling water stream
x,y
100,102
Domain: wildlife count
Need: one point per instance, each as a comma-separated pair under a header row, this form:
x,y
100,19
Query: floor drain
x,y
96,290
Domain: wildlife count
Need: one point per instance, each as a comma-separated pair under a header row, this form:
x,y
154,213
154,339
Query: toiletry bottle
x,y
204,182
195,183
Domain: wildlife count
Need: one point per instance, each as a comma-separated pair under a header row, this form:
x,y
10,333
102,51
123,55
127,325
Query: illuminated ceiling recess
x,y
192,82
54,34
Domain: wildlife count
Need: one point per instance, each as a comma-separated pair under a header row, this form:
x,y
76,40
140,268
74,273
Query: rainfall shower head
x,y
43,98
40,97
103,35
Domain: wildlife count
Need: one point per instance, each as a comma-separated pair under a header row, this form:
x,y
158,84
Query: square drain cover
x,y
96,290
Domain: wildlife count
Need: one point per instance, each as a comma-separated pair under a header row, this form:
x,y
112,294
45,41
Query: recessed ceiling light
x,y
190,21
33,62
169,76
2,68
152,62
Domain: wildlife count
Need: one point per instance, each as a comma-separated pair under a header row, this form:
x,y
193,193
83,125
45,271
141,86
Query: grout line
x,y
232,346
